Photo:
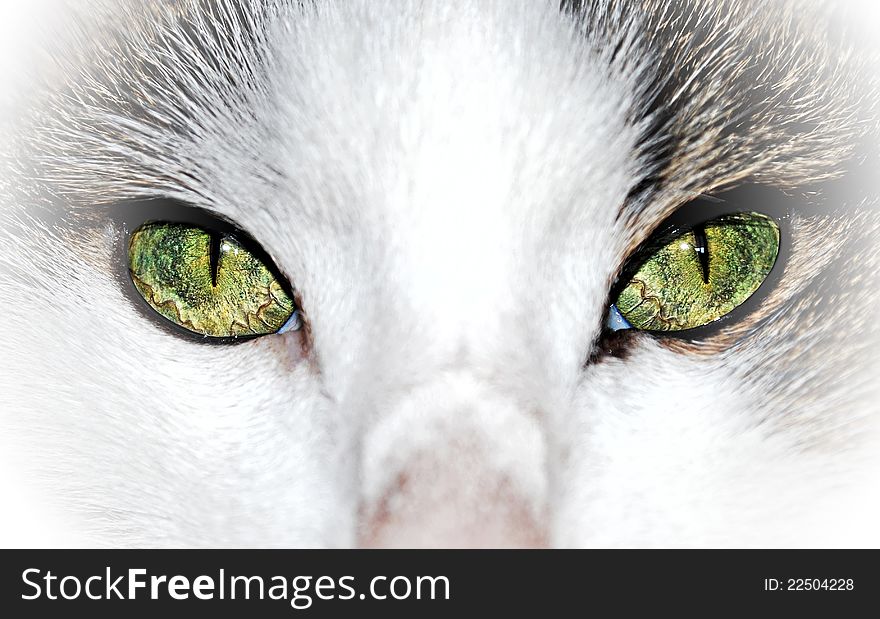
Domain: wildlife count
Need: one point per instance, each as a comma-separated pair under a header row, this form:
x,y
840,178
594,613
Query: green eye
x,y
207,283
702,275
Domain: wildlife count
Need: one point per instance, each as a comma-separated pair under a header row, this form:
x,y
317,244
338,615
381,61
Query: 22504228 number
x,y
809,584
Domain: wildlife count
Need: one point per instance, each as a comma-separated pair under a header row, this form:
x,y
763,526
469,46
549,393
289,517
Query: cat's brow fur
x,y
452,188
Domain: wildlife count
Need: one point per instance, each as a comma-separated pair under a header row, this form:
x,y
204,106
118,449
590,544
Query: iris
x,y
207,283
701,275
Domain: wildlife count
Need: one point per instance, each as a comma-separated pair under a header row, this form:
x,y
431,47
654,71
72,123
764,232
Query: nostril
x,y
426,508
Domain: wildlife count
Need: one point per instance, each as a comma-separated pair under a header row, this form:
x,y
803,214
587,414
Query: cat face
x,y
454,193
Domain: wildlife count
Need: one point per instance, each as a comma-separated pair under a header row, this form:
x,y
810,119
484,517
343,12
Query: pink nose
x,y
453,463
451,504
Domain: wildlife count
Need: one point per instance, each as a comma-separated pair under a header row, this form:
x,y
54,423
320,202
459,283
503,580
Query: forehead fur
x,y
769,92
718,91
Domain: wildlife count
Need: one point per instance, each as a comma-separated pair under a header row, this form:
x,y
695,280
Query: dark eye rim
x,y
772,203
129,216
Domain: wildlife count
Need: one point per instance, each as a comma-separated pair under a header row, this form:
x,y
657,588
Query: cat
x,y
453,191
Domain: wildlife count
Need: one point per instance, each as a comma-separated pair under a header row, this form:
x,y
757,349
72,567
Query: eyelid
x,y
131,215
615,320
707,207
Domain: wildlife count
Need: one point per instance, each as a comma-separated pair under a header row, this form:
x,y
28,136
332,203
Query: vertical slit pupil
x,y
701,246
214,256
